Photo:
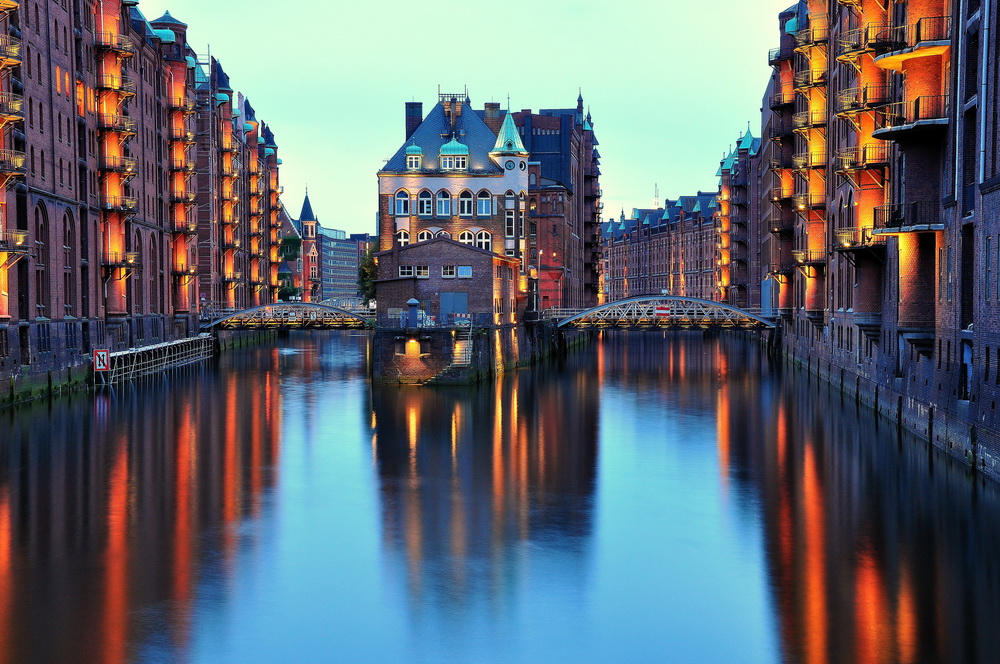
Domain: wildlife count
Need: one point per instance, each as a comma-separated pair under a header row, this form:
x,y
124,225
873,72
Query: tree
x,y
367,274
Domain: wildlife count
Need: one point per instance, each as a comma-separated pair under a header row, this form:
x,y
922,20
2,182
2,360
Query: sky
x,y
670,84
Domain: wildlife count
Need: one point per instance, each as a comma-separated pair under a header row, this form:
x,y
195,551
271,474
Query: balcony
x,y
854,239
10,51
9,5
121,124
780,193
781,223
231,245
185,270
120,84
182,134
816,34
182,166
120,44
778,55
186,227
120,203
806,257
183,197
780,268
894,45
862,158
809,201
233,277
11,107
120,259
182,104
809,79
857,100
230,197
779,129
13,242
806,120
228,145
805,160
119,164
12,161
780,99
907,119
914,217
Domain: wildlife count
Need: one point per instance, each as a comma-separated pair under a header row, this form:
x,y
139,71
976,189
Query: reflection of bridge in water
x,y
660,312
289,316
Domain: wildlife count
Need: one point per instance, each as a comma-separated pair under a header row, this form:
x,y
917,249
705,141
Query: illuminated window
x,y
484,204
423,236
448,272
422,272
466,237
403,203
403,238
444,204
424,204
484,240
406,270
465,204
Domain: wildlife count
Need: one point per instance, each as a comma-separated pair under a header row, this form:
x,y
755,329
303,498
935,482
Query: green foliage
x,y
367,274
290,248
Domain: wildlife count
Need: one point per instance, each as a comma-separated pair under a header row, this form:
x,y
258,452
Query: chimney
x,y
414,116
493,119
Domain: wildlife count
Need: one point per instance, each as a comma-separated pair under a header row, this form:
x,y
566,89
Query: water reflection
x,y
647,498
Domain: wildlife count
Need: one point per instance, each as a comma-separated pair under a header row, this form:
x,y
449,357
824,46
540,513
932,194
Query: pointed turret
x,y
508,140
307,210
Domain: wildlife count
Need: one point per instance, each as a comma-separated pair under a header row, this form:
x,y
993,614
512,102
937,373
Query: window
x,y
424,204
444,204
484,240
510,229
413,161
403,203
464,271
402,238
484,204
448,272
465,204
466,237
444,234
454,163
422,272
406,270
423,236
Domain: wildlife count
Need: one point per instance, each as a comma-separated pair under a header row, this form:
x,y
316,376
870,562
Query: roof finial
x,y
508,102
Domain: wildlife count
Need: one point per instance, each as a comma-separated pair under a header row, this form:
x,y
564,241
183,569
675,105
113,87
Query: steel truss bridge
x,y
668,312
291,316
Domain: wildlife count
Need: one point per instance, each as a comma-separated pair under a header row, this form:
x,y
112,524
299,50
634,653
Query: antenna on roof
x,y
656,196
508,102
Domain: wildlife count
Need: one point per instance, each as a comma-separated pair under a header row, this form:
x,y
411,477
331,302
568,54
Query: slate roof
x,y
435,131
221,76
307,210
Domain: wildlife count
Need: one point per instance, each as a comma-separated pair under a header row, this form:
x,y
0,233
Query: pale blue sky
x,y
670,84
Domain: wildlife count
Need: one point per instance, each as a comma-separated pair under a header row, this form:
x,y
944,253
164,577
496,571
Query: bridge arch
x,y
652,311
290,315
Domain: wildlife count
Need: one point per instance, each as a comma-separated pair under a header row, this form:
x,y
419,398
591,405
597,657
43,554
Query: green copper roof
x,y
453,147
415,149
191,62
247,127
746,142
260,140
221,97
268,152
509,140
792,26
166,36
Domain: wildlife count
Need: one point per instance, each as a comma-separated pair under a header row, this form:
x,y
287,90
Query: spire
x,y
509,140
307,210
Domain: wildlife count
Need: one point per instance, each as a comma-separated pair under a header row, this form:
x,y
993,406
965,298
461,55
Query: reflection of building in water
x,y
127,487
470,475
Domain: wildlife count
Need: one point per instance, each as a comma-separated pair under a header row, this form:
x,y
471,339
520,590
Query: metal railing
x,y
119,164
887,39
113,122
805,160
855,100
861,158
14,241
183,165
851,238
916,213
120,259
809,119
10,49
817,32
182,104
809,201
807,257
809,78
779,99
11,105
115,42
126,203
12,161
121,84
906,113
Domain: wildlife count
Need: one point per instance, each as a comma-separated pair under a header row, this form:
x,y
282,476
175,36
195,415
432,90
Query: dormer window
x,y
454,163
413,161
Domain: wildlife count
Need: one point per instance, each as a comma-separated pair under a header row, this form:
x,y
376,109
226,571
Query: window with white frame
x,y
484,240
402,238
424,204
465,204
454,162
448,272
422,272
413,161
444,204
466,237
464,271
484,204
423,236
402,203
509,228
406,270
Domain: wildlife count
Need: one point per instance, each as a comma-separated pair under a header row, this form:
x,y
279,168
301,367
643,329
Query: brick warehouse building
x,y
468,175
109,167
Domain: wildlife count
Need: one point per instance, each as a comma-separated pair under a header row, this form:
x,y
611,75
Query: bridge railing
x,y
402,319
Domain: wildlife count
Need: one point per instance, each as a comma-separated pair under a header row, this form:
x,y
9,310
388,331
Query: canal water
x,y
649,498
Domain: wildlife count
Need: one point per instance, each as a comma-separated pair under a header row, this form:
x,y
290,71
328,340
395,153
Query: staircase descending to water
x,y
461,357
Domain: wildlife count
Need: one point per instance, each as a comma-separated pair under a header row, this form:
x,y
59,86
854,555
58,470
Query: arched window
x,y
42,255
466,237
532,180
508,200
484,240
423,236
444,234
69,274
402,203
444,204
153,269
484,204
402,238
424,204
465,204
136,283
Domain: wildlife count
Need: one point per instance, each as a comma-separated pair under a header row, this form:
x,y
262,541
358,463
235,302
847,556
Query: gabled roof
x,y
435,131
